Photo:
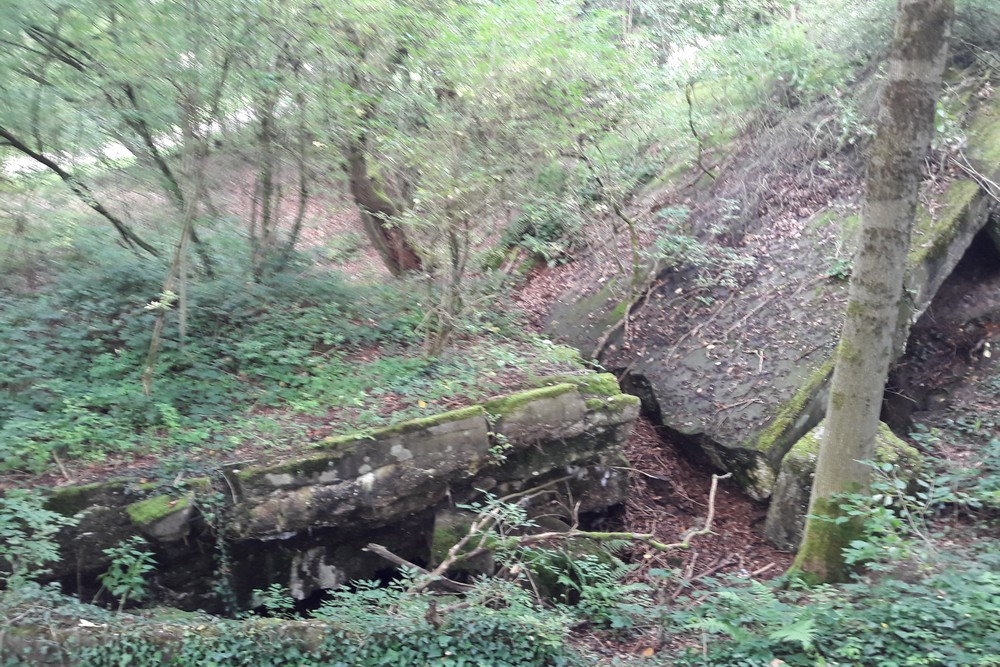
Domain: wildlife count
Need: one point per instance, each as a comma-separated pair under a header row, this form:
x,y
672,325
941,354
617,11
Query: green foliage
x,y
71,357
978,487
899,514
594,584
125,577
276,601
676,249
780,64
973,487
923,601
367,626
344,248
976,33
498,623
944,612
27,532
548,229
948,616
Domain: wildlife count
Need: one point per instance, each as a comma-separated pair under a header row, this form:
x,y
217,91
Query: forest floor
x,y
948,380
943,397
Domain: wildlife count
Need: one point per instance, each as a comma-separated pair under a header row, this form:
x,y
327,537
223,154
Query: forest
x,y
500,332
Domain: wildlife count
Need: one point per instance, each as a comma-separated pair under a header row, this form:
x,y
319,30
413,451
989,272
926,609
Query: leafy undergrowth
x,y
947,614
928,594
263,366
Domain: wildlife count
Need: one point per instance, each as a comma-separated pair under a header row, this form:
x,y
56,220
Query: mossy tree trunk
x,y
379,214
904,129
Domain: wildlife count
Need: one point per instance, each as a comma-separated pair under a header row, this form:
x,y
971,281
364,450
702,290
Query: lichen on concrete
x,y
374,480
409,426
298,467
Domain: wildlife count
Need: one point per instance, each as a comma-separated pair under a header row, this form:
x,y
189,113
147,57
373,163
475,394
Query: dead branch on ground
x,y
483,539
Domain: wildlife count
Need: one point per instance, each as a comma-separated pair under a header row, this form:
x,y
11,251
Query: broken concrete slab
x,y
744,374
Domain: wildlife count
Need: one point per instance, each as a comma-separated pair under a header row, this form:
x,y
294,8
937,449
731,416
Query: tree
x,y
904,130
124,72
443,121
80,76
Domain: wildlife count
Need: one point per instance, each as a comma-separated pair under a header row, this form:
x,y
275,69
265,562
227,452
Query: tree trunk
x,y
377,215
903,132
266,191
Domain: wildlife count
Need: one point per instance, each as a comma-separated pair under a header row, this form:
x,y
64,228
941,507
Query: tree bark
x,y
377,215
904,129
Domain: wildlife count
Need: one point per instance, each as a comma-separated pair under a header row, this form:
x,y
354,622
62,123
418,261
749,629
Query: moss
x,y
619,311
621,402
594,403
153,509
667,176
504,405
342,441
807,445
338,446
984,136
72,499
888,449
793,409
198,484
820,558
450,529
933,236
590,384
850,225
891,449
444,539
823,219
594,309
402,428
846,350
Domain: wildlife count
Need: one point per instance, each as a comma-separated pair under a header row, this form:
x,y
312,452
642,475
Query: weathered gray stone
x,y
790,500
549,413
741,383
303,521
162,517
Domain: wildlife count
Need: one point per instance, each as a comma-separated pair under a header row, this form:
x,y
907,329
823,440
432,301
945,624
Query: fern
x,y
802,632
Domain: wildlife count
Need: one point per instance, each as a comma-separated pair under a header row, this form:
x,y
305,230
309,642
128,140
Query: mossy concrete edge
x,y
150,510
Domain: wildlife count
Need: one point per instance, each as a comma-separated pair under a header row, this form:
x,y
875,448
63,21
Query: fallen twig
x,y
62,468
634,307
991,187
379,550
690,577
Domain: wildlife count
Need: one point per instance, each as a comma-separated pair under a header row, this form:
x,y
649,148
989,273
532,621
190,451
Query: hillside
x,y
353,333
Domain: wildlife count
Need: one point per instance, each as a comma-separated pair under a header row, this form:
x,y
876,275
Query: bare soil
x,y
948,380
